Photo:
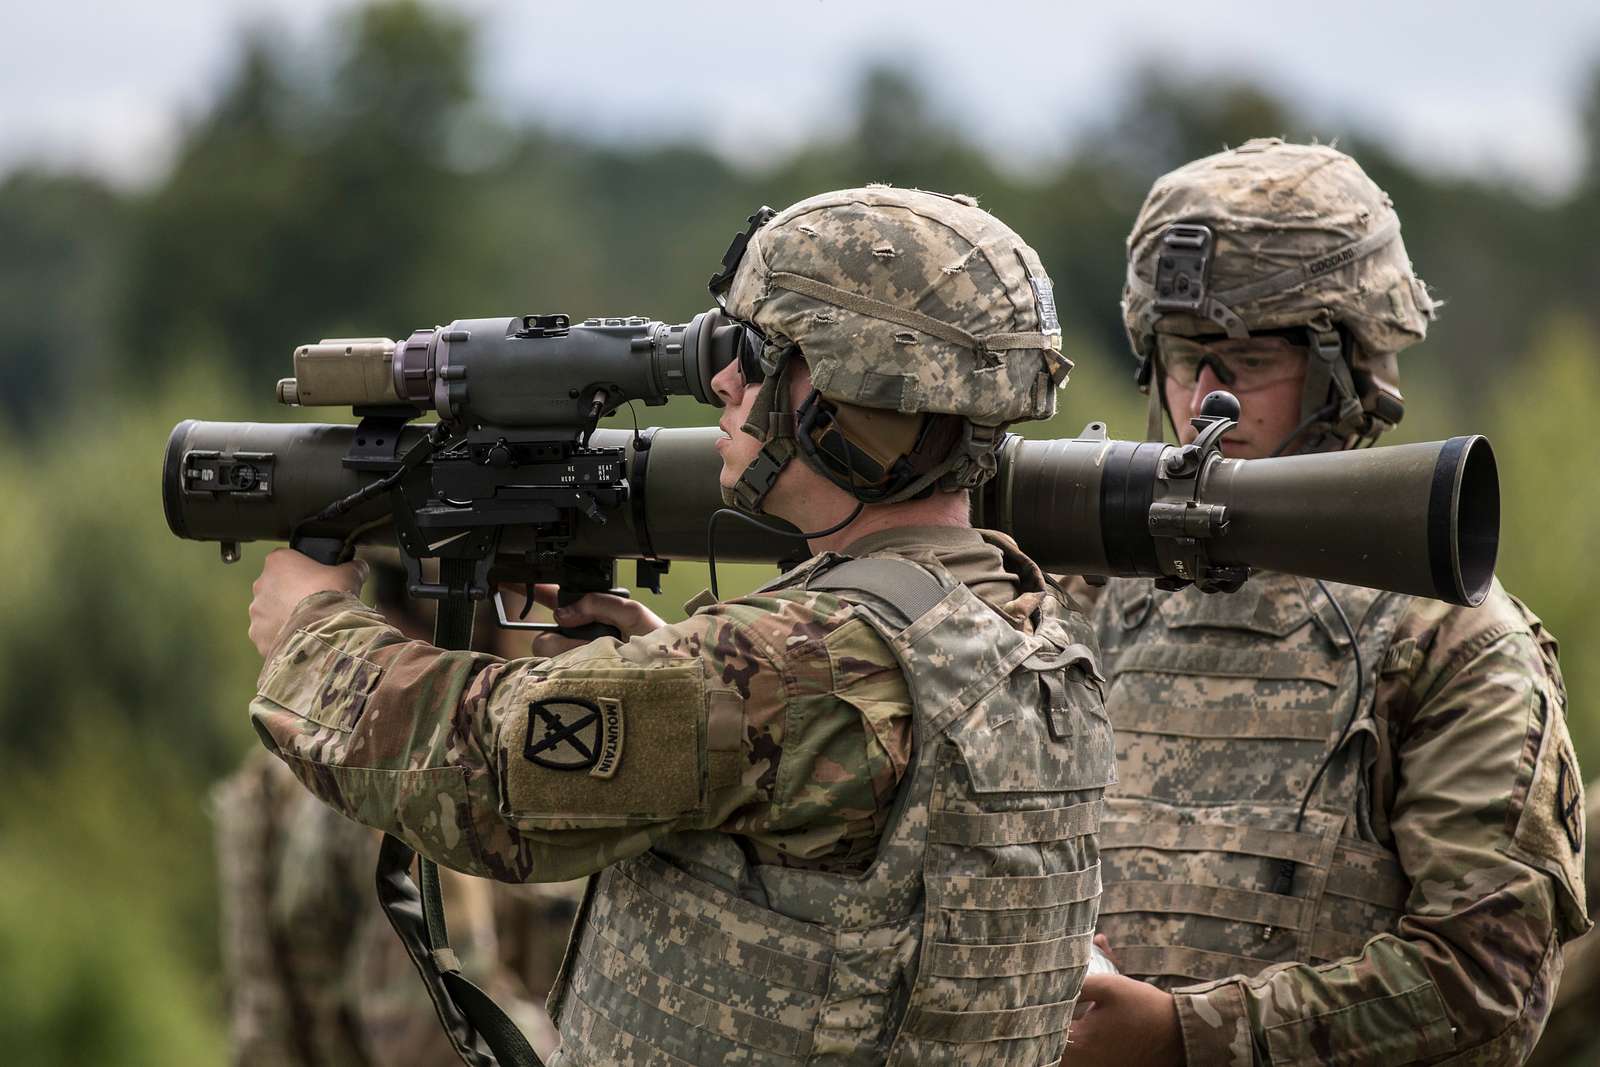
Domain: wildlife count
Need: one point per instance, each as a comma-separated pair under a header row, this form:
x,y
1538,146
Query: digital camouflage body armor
x,y
966,939
1224,706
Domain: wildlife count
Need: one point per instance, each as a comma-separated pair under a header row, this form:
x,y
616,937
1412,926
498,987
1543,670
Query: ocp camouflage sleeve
x,y
783,718
1483,802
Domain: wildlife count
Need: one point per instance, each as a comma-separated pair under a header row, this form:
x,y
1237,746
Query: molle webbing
x,y
1015,827
1355,872
1223,708
1006,893
1176,720
1187,964
1027,957
1222,661
1218,902
971,1027
668,968
924,958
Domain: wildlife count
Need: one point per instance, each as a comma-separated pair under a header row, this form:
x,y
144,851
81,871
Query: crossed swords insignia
x,y
570,738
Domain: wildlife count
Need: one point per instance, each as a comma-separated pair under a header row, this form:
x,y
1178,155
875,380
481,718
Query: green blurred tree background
x,y
368,188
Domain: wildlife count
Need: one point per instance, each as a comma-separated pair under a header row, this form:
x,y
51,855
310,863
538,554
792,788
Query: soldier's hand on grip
x,y
628,617
287,578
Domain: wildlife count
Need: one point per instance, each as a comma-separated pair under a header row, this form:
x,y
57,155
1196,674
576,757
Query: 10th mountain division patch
x,y
575,734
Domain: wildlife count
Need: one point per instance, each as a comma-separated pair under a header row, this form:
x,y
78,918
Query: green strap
x,y
971,1027
762,474
479,1030
1155,428
904,586
779,448
482,1034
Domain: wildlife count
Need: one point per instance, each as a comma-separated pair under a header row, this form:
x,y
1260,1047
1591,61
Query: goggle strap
x,y
1155,411
1301,273
772,399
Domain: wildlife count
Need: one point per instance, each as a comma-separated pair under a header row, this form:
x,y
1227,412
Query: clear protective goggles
x,y
1240,364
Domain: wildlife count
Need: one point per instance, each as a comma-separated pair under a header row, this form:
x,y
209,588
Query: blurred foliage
x,y
365,187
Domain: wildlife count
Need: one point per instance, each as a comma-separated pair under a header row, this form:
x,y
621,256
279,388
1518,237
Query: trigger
x,y
527,605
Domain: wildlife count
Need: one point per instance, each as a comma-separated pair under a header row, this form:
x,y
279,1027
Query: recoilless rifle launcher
x,y
514,483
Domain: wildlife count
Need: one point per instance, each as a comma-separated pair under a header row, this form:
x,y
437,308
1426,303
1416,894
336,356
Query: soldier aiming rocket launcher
x,y
515,483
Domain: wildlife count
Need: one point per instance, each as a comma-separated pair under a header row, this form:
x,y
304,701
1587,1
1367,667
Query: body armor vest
x,y
966,939
1224,705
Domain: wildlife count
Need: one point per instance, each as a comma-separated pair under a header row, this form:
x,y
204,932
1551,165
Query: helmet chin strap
x,y
773,409
1331,411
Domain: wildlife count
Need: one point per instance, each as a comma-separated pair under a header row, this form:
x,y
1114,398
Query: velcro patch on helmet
x,y
1044,295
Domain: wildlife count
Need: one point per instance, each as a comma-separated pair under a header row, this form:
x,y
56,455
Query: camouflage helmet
x,y
907,301
1302,237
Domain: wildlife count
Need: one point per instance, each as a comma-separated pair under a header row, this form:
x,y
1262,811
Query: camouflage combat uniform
x,y
1435,878
1415,909
847,819
784,722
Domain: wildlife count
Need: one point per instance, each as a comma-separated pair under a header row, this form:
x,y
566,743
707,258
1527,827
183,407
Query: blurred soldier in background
x,y
315,974
1349,826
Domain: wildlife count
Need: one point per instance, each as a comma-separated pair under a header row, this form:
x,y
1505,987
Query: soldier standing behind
x,y
1349,823
315,975
848,818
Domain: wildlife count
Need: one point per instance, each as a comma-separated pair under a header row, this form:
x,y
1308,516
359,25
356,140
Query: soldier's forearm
x,y
1385,1001
414,741
379,727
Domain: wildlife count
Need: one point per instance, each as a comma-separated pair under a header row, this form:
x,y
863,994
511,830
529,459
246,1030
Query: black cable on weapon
x,y
637,440
1283,882
711,533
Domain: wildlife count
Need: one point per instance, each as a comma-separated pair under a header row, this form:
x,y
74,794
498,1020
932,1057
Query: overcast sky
x,y
1479,86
